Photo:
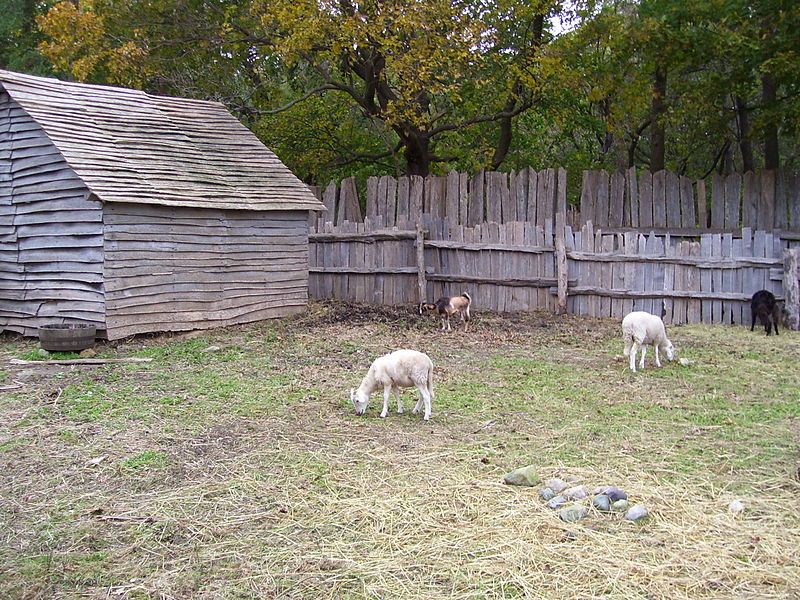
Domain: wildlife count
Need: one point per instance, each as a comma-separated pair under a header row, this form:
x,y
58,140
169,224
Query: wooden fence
x,y
515,267
662,201
515,244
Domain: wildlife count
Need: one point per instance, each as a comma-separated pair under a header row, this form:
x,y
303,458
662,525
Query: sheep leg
x,y
426,398
399,401
644,351
752,319
443,321
658,362
418,404
385,411
634,349
448,323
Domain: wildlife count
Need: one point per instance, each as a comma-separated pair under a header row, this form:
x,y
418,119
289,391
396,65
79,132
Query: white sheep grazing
x,y
641,328
400,369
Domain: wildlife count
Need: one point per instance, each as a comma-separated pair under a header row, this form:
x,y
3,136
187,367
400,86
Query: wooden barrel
x,y
67,337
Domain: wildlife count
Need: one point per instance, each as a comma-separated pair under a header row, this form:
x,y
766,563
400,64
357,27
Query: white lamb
x,y
640,329
400,369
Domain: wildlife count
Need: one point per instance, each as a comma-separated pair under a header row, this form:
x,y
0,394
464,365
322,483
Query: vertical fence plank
x,y
587,197
717,201
738,281
451,198
645,199
659,199
633,198
694,313
475,213
550,196
372,196
794,190
688,218
403,201
601,199
767,209
532,198
329,200
672,199
617,205
702,204
521,192
350,209
733,186
705,277
494,196
727,278
781,220
416,193
750,194
463,198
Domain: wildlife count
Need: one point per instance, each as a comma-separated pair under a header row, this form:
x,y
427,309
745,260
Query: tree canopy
x,y
342,87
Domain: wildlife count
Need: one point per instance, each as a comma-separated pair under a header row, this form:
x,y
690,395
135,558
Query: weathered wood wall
x,y
512,266
172,269
51,237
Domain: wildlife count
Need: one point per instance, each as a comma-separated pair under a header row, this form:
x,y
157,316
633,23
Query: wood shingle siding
x,y
139,213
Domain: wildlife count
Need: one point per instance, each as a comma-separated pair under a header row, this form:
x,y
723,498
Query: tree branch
x,y
290,104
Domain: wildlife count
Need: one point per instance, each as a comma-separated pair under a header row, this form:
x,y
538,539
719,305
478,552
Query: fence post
x,y
561,249
420,246
791,287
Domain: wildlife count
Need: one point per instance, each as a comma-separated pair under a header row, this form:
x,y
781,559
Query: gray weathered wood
x,y
733,186
672,199
601,199
688,217
717,201
645,199
659,199
791,287
767,210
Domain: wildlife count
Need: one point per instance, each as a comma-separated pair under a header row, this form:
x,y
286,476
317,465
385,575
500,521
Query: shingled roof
x,y
129,146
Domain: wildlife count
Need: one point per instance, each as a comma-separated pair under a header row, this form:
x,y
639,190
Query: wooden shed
x,y
141,213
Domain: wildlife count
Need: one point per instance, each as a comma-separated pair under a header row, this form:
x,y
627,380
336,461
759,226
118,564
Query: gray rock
x,y
522,476
556,502
557,485
43,353
576,512
614,494
620,505
547,493
602,502
637,512
88,353
601,489
577,492
212,349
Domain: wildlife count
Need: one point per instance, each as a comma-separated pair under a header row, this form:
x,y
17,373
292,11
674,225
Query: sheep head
x,y
360,400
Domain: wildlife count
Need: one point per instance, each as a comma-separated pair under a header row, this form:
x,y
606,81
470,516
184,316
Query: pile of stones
x,y
572,502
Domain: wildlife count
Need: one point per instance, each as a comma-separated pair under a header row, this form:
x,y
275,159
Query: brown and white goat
x,y
448,306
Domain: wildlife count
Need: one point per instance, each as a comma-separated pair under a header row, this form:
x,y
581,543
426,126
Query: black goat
x,y
764,306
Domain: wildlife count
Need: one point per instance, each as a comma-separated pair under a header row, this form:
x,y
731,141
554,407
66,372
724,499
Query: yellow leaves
x,y
77,43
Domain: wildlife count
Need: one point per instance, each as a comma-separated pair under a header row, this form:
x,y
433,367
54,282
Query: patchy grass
x,y
232,465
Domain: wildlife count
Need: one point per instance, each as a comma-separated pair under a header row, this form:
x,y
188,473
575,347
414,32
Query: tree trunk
x,y
417,154
771,151
657,110
745,145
